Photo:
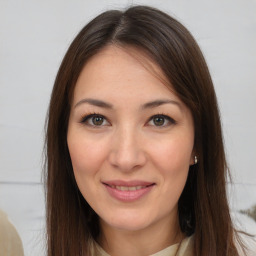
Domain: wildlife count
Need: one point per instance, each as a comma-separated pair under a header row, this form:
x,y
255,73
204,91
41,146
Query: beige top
x,y
185,249
10,242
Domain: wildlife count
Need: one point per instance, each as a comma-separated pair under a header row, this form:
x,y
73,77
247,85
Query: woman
x,y
135,158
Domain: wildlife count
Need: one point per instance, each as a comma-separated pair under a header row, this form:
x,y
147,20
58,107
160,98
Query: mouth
x,y
127,188
128,191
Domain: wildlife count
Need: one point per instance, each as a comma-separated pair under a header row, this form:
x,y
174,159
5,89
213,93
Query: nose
x,y
127,152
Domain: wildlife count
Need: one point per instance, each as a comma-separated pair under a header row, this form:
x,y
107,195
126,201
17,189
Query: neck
x,y
147,241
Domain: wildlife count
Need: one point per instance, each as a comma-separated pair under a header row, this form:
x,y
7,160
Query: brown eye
x,y
94,120
97,120
161,121
158,120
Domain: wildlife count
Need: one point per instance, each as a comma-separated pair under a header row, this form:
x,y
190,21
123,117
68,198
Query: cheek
x,y
172,161
86,155
173,154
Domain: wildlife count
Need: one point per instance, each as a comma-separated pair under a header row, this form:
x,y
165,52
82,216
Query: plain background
x,y
34,36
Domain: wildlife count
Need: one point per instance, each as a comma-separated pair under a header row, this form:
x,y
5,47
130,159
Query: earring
x,y
195,161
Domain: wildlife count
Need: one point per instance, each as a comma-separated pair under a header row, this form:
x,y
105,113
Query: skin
x,y
128,144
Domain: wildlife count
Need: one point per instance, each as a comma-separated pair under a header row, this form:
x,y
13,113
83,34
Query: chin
x,y
129,226
128,222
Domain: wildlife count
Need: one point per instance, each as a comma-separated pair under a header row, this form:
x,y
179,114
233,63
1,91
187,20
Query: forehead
x,y
124,70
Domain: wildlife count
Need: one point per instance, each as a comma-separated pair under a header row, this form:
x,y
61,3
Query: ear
x,y
193,158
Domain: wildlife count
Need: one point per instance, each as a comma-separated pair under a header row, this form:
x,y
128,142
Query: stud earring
x,y
195,161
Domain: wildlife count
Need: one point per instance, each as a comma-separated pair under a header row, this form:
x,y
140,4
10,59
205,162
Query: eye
x,y
161,121
94,120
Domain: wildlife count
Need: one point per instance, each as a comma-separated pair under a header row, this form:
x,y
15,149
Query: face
x,y
130,140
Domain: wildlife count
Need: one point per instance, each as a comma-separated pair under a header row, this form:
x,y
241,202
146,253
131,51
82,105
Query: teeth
x,y
122,188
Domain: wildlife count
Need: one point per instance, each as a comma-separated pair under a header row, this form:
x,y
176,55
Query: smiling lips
x,y
128,191
128,188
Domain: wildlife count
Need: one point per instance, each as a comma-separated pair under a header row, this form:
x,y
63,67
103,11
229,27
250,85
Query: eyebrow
x,y
151,104
94,102
159,102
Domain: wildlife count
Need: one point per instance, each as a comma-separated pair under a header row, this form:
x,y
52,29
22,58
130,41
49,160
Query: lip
x,y
128,191
130,183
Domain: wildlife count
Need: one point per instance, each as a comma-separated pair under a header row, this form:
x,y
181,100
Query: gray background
x,y
34,36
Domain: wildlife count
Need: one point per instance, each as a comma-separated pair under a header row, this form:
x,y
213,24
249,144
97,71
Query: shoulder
x,y
10,242
187,246
247,246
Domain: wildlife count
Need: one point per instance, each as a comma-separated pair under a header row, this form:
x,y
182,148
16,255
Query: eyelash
x,y
168,119
85,119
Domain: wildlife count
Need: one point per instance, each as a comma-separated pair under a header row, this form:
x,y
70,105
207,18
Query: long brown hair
x,y
203,206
